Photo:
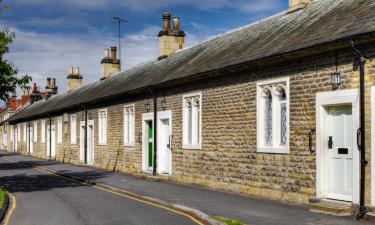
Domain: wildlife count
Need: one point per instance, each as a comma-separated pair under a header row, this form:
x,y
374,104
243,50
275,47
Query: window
x,y
43,124
59,130
24,132
192,105
273,116
19,132
35,131
129,127
73,129
11,132
102,126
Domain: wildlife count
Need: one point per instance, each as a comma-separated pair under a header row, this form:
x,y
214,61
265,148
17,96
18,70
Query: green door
x,y
150,144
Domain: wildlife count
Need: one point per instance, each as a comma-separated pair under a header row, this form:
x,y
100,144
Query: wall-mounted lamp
x,y
147,105
336,79
89,115
336,76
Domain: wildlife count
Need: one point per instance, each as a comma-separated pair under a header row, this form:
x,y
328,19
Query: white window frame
x,y
102,127
59,129
276,146
43,124
19,127
24,132
11,132
129,133
35,131
73,129
185,144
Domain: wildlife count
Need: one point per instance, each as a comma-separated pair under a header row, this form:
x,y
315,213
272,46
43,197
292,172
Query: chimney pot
x,y
167,21
34,88
297,4
76,71
106,53
71,70
53,81
48,81
113,52
176,23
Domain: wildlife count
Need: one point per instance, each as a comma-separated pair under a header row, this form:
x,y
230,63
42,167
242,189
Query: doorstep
x,y
331,207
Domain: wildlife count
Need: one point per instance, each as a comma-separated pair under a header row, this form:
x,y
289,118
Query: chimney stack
x,y
35,95
110,65
74,79
51,88
170,40
295,5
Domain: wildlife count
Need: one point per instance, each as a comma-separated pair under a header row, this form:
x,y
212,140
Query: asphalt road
x,y
44,199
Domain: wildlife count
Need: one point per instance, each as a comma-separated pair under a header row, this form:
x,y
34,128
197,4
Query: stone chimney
x,y
35,94
110,64
51,88
170,40
297,4
74,78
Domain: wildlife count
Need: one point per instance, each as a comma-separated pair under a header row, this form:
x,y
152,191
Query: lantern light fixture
x,y
336,76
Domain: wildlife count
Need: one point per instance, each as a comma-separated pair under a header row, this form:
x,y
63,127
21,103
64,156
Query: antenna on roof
x,y
119,21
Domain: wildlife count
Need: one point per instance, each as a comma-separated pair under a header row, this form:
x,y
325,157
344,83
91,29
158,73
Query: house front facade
x,y
271,109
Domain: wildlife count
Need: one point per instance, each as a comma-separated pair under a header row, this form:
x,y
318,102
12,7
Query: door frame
x,y
335,98
162,116
53,145
82,139
146,117
372,146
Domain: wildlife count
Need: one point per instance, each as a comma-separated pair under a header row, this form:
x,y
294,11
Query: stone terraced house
x,y
270,109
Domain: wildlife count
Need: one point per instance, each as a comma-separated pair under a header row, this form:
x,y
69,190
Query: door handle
x,y
330,142
169,145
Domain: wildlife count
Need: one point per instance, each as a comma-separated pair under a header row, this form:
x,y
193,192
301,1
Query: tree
x,y
9,79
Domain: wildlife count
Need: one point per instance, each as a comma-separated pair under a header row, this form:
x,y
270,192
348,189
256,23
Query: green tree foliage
x,y
9,79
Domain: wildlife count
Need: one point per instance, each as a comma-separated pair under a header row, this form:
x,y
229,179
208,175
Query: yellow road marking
x,y
52,172
12,208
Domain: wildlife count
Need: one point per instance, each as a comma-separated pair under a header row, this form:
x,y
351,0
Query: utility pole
x,y
119,21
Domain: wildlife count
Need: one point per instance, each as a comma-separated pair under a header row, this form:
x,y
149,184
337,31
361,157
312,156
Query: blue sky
x,y
52,35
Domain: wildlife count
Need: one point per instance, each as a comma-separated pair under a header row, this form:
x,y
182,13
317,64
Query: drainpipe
x,y
85,141
50,136
362,144
28,131
155,97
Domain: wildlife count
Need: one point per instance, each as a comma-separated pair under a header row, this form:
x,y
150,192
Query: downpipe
x,y
361,60
155,123
85,140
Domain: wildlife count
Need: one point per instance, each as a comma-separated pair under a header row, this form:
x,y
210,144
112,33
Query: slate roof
x,y
322,21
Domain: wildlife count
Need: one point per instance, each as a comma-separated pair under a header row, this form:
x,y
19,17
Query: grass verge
x,y
227,220
1,197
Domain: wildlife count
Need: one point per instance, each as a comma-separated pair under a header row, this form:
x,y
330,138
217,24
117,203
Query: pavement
x,y
249,210
45,199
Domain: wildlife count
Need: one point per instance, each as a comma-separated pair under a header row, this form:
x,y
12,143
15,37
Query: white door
x,y
90,144
15,140
164,147
340,152
51,153
29,140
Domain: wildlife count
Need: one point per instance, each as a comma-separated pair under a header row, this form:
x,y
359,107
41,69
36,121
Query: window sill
x,y
192,147
102,144
273,150
129,145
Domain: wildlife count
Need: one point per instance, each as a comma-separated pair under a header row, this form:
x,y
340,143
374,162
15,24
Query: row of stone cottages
x,y
270,109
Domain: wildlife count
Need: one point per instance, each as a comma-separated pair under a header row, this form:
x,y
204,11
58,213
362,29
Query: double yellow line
x,y
52,172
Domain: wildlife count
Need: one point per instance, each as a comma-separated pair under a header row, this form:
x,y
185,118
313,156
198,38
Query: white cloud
x,y
42,55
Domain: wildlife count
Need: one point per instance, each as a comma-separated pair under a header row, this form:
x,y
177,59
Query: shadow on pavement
x,y
40,182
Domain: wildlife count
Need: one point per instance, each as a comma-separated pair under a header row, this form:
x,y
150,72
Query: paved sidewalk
x,y
251,211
